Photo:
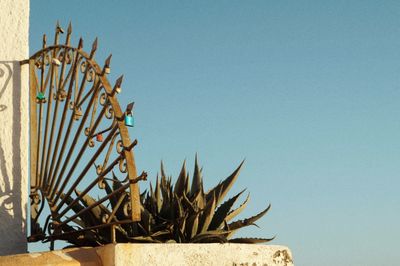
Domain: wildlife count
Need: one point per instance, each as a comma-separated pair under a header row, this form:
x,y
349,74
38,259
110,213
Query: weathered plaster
x,y
160,254
14,27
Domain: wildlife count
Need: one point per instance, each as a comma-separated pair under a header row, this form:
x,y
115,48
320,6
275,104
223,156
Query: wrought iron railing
x,y
79,145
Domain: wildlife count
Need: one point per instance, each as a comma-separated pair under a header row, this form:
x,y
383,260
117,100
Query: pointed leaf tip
x,y
223,187
197,180
249,221
181,181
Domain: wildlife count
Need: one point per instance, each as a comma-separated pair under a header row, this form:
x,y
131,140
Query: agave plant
x,y
184,213
179,213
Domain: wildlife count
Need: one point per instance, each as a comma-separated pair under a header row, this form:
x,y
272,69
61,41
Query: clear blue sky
x,y
307,91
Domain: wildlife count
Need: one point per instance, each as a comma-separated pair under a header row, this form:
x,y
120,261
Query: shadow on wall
x,y
12,225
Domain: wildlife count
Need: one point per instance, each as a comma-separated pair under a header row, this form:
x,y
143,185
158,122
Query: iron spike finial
x,y
69,30
58,27
129,107
119,80
44,40
58,30
94,47
80,44
108,60
107,63
117,86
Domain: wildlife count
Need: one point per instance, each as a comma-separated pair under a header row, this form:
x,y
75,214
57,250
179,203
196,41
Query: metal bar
x,y
100,201
61,153
39,128
78,157
49,104
64,115
46,81
33,123
45,152
85,97
91,185
114,211
54,120
92,53
94,110
103,131
70,72
68,157
71,121
59,236
87,167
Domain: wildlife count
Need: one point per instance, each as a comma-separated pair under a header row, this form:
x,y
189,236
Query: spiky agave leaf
x,y
222,188
181,181
246,222
232,214
163,175
144,239
197,183
189,206
157,194
192,226
116,184
98,211
222,212
200,200
207,215
250,240
218,236
145,220
86,218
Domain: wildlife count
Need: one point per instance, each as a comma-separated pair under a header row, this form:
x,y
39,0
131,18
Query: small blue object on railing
x,y
129,120
40,96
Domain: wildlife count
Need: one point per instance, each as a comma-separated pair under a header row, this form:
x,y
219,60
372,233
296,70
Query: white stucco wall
x,y
14,26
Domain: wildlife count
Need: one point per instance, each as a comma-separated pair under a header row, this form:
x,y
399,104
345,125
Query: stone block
x,y
160,254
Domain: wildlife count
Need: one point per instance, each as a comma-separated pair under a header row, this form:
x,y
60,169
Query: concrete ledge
x,y
159,254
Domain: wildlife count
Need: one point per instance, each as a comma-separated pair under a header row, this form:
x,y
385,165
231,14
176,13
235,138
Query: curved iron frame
x,y
44,184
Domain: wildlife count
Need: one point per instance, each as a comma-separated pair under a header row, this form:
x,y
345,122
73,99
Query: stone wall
x,y
14,28
160,255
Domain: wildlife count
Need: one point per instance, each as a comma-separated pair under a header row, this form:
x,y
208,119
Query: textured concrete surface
x,y
14,27
160,254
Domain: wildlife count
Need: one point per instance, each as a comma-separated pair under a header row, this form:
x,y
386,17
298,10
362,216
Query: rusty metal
x,y
79,106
